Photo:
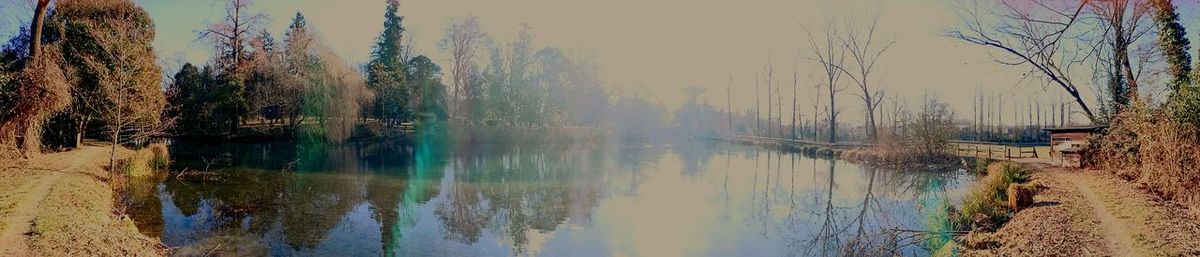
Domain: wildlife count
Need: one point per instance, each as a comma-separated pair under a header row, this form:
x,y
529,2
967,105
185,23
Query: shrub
x,y
849,155
1148,147
138,164
145,161
984,206
825,152
161,157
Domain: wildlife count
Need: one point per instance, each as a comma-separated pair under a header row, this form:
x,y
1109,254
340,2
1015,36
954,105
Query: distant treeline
x,y
300,87
93,73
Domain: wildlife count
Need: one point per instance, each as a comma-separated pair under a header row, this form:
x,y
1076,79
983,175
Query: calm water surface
x,y
683,199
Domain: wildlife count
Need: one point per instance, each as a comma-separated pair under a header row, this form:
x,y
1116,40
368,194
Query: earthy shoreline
x,y
1091,213
59,204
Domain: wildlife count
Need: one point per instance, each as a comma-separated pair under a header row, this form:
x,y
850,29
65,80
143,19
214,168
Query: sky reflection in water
x,y
690,199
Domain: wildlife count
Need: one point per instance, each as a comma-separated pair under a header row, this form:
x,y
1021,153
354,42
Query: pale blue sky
x,y
658,47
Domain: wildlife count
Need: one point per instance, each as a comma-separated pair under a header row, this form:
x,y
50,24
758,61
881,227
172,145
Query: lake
x,y
700,198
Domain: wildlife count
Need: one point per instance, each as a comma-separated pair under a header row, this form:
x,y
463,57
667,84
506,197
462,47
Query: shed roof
x,y
1093,128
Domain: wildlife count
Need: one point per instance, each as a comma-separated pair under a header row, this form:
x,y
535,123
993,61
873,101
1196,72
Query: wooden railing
x,y
992,150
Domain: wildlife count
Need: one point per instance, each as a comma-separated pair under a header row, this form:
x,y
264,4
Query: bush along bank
x,y
879,156
146,161
1003,189
808,150
1152,149
902,160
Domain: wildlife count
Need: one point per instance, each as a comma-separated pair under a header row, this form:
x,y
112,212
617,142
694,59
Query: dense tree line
x,y
255,84
83,68
92,73
518,85
297,88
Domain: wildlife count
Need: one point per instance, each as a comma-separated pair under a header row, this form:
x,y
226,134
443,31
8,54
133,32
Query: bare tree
x,y
1032,34
978,114
865,49
768,77
1123,23
795,108
898,108
757,108
816,105
462,42
128,99
729,101
830,54
232,36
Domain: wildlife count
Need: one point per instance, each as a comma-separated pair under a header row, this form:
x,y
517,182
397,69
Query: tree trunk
x,y
79,132
794,108
31,143
832,115
757,110
35,41
870,108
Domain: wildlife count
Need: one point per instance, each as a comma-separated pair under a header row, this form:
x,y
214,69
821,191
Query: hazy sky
x,y
659,47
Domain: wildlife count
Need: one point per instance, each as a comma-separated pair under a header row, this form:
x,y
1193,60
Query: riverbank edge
x,y
78,213
863,155
1082,212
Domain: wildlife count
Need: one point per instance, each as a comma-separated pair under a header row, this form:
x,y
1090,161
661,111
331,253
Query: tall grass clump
x,y
146,161
160,157
984,206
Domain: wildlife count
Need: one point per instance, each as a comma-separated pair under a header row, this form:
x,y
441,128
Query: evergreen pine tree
x,y
386,71
1172,40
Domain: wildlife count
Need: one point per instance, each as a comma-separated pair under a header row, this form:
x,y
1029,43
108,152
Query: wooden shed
x,y
1067,143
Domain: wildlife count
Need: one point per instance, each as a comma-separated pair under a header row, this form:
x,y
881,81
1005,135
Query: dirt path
x,y
1060,223
1090,213
26,186
1155,226
1120,240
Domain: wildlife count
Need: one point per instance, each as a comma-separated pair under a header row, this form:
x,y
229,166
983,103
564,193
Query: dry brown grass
x,y
1020,196
903,151
160,156
75,213
1061,224
146,161
1147,147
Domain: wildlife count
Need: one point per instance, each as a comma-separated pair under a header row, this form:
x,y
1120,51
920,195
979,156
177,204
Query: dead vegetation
x,y
146,161
1058,224
1145,146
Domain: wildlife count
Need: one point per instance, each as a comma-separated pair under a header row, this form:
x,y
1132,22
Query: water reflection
x,y
699,198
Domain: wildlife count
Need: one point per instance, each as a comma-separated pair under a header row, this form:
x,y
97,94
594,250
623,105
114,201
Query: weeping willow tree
x,y
332,92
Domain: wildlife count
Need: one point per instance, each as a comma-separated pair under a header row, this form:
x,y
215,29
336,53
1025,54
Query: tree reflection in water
x,y
378,199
